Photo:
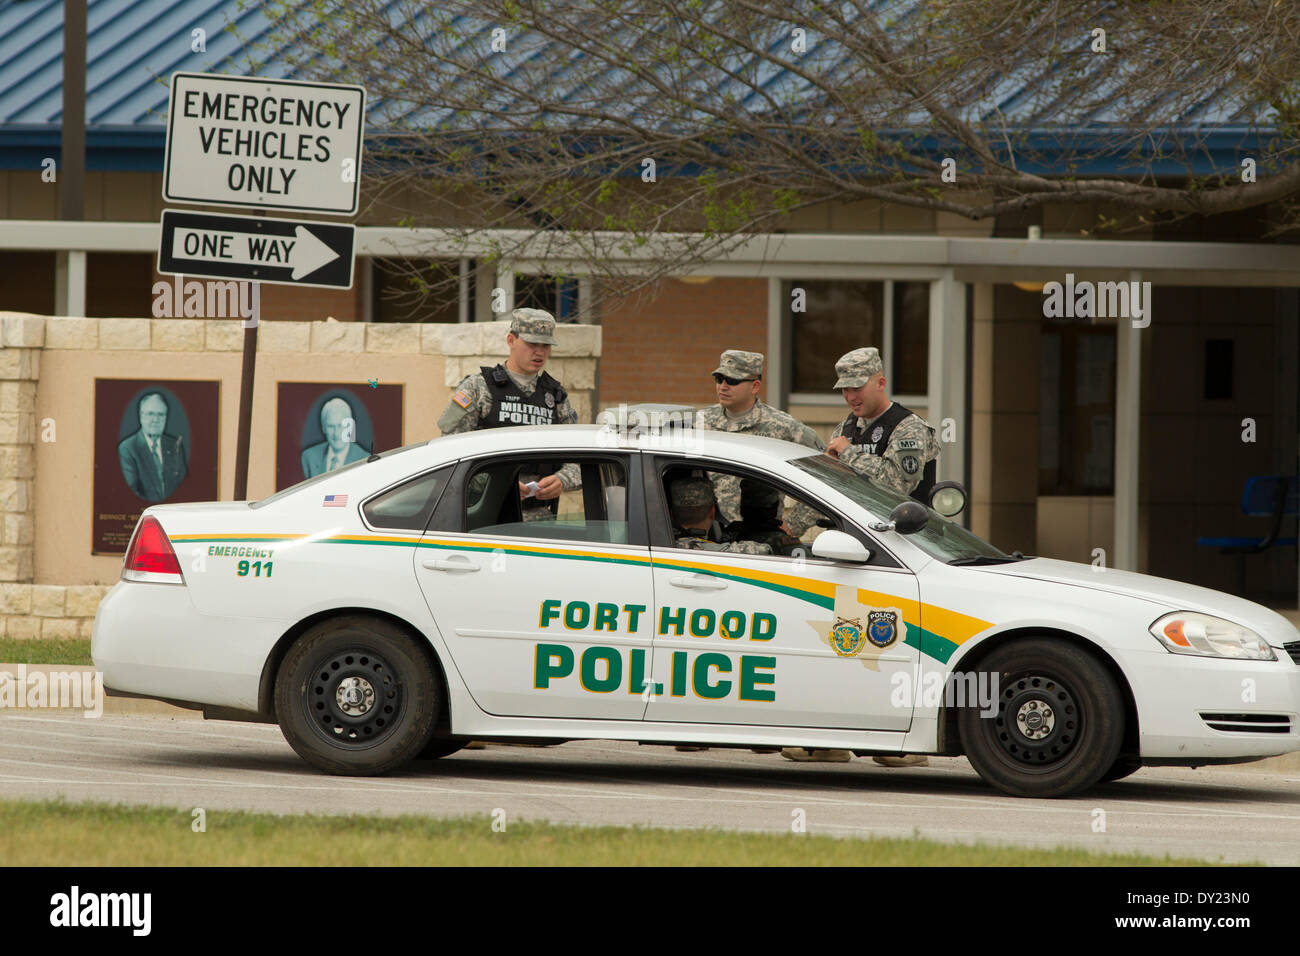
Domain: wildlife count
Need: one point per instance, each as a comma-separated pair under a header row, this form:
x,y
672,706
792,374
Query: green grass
x,y
56,833
73,650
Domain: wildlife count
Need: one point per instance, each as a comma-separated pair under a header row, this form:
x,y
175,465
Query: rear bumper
x,y
150,641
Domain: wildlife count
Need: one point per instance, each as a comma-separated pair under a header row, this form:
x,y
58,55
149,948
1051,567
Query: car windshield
x,y
330,475
940,538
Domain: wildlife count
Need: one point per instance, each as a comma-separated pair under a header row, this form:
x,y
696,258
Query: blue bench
x,y
1266,496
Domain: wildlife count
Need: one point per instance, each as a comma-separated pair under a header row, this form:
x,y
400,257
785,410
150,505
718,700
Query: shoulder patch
x,y
462,398
909,444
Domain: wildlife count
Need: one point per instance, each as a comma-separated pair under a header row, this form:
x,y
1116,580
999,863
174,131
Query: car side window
x,y
503,497
410,505
751,515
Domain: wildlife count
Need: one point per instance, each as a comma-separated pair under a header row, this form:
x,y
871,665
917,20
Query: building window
x,y
416,290
556,294
828,317
1076,440
907,369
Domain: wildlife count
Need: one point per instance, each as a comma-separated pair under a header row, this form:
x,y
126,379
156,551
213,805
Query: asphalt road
x,y
1217,814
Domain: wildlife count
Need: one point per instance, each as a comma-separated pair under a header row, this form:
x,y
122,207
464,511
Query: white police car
x,y
400,606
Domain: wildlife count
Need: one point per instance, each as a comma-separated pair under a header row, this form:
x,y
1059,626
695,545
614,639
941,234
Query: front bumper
x,y
1181,700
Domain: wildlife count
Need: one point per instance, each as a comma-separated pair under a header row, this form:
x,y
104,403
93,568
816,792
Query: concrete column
x,y
1128,435
774,361
485,279
23,339
947,395
70,283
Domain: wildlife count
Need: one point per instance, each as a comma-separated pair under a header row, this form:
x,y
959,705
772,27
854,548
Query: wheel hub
x,y
1039,722
1035,720
354,698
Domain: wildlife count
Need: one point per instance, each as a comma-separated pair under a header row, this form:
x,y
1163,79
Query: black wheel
x,y
1121,768
357,696
1059,723
442,747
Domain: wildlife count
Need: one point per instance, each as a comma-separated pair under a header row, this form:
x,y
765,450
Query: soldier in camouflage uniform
x,y
738,378
881,440
518,392
888,444
692,504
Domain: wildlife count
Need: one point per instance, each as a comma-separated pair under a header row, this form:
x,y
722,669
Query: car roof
x,y
728,445
365,477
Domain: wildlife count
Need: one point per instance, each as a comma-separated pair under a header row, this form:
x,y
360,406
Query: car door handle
x,y
697,582
455,563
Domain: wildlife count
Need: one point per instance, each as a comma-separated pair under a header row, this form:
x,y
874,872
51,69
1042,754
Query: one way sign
x,y
284,251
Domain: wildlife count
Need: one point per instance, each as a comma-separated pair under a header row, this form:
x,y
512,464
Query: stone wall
x,y
50,583
48,611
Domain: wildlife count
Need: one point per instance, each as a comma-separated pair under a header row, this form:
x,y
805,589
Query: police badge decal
x,y
550,400
882,628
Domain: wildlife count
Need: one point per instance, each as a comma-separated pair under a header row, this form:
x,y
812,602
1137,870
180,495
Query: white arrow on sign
x,y
304,253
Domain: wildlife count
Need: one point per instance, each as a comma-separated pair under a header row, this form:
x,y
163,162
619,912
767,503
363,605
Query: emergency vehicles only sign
x,y
274,144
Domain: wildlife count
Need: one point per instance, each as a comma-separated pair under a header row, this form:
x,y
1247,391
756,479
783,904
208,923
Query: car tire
x,y
357,696
1059,724
1121,768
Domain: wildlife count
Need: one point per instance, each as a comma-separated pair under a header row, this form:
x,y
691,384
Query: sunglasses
x,y
719,378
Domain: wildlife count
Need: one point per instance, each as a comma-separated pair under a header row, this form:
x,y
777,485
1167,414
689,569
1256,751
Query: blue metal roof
x,y
133,47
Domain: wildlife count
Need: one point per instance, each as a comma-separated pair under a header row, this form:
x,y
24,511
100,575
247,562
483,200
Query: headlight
x,y
1203,635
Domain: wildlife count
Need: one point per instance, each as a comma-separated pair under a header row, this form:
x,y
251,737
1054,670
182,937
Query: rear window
x,y
332,475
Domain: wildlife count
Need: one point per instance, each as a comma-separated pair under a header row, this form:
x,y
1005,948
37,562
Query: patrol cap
x,y
741,365
856,368
691,493
534,325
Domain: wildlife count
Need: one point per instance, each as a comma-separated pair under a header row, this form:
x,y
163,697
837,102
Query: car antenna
x,y
374,456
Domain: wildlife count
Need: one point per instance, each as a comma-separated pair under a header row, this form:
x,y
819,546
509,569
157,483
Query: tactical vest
x,y
885,425
510,406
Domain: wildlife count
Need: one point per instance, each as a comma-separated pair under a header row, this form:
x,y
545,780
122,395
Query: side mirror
x,y
909,517
838,546
948,498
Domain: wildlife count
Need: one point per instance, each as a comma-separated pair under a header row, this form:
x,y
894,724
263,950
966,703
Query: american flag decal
x,y
335,501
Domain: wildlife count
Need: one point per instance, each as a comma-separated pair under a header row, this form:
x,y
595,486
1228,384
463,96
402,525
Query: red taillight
x,y
151,551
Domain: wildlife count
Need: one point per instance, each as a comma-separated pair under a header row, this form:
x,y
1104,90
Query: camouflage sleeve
x,y
565,413
810,439
465,409
902,466
726,491
731,547
746,547
799,517
570,476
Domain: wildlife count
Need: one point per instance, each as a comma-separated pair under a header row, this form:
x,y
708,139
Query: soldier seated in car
x,y
694,509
